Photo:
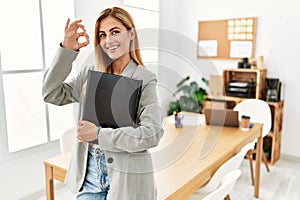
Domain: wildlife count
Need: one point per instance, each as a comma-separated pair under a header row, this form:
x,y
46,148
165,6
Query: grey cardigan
x,y
128,161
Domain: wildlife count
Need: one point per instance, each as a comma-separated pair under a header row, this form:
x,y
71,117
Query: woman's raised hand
x,y
72,35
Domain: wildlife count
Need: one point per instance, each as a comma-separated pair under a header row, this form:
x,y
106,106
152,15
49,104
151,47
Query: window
x,y
146,17
33,30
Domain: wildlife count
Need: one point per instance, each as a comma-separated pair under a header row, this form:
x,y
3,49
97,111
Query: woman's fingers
x,y
86,39
86,131
80,123
81,26
79,139
76,24
67,25
84,34
73,34
83,44
78,135
77,21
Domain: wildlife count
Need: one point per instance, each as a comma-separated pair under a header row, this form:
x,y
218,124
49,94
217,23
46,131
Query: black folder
x,y
111,101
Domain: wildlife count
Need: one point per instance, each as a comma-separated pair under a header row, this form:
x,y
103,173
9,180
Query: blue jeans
x,y
96,183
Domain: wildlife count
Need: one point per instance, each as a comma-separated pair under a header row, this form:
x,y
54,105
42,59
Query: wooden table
x,y
184,160
55,169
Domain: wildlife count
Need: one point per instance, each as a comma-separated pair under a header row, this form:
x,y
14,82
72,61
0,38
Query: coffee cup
x,y
245,123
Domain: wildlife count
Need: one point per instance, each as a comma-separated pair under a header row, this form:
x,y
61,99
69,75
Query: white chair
x,y
67,140
231,164
259,112
226,186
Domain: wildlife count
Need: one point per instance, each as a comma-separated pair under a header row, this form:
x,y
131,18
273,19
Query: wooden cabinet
x,y
254,78
272,142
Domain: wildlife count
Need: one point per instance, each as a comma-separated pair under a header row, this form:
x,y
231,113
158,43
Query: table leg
x,y
49,183
258,163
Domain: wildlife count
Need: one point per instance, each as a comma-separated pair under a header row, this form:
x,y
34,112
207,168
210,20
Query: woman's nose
x,y
109,39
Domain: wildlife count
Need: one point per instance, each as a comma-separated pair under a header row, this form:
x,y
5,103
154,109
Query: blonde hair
x,y
103,62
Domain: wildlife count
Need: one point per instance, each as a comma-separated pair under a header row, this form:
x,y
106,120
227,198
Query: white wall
x,y
278,39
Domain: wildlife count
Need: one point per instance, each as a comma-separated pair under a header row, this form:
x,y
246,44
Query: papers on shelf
x,y
238,84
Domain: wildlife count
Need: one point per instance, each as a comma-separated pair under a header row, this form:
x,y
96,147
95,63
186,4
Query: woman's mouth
x,y
112,48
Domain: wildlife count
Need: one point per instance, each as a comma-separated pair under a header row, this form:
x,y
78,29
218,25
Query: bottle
x,y
260,62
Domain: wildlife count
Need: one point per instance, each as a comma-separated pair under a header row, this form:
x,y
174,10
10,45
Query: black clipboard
x,y
111,101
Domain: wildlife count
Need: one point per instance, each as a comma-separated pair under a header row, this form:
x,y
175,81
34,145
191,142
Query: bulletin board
x,y
227,39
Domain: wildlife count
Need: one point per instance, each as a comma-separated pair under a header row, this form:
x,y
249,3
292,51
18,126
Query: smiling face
x,y
115,39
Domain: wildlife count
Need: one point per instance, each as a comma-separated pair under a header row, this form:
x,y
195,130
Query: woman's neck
x,y
119,64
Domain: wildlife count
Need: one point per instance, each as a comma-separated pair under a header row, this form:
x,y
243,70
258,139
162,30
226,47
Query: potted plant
x,y
192,96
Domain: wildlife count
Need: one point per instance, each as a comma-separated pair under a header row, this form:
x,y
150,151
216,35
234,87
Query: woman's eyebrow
x,y
113,28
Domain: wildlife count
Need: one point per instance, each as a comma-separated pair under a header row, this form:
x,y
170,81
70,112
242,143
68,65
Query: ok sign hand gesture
x,y
72,35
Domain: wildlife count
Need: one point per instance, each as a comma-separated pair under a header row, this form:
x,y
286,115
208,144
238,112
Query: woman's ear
x,y
132,33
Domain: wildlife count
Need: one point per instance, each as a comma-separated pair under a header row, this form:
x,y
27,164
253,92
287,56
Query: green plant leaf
x,y
204,80
192,96
188,104
186,90
173,106
201,95
194,87
182,81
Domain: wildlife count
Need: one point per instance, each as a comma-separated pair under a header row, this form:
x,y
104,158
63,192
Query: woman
x,y
119,167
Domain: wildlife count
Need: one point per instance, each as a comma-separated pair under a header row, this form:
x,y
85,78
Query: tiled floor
x,y
60,193
281,183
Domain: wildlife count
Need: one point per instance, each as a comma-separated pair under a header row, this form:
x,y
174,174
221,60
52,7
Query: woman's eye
x,y
102,35
115,32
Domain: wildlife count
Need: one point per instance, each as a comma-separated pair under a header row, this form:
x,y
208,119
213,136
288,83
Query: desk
x,y
203,153
55,169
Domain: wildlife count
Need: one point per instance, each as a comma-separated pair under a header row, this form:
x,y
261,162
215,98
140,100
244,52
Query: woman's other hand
x,y
86,131
72,35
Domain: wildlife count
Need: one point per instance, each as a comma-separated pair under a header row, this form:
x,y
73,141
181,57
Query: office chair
x,y
231,164
259,111
226,186
67,140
